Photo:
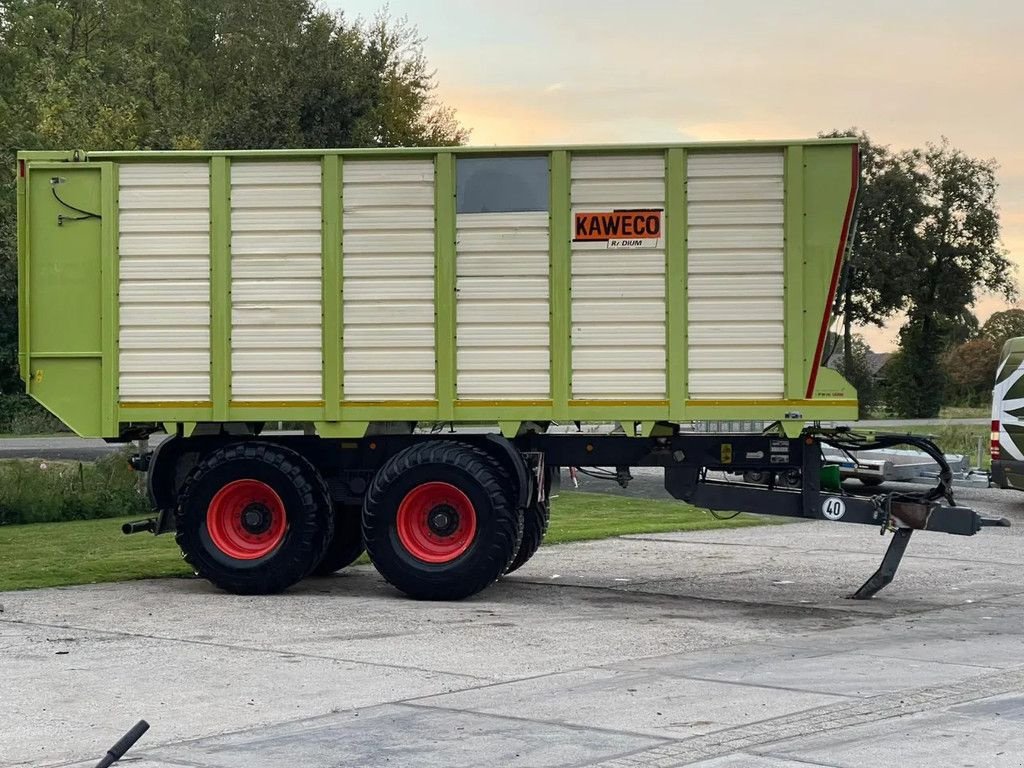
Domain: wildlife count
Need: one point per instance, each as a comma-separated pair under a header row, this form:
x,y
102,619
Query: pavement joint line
x,y
766,686
613,665
847,613
412,702
903,655
798,760
520,578
831,717
228,646
172,762
857,607
537,721
148,749
810,550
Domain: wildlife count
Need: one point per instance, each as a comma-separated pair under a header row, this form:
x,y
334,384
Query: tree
x,y
876,283
956,253
1004,325
855,365
970,370
911,389
135,74
928,244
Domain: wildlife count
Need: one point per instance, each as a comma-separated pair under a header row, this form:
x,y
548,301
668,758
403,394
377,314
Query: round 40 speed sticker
x,y
833,508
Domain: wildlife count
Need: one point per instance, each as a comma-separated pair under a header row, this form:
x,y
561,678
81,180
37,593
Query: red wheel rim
x,y
246,520
436,522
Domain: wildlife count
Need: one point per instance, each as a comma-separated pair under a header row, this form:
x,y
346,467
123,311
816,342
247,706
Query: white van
x,y
1007,442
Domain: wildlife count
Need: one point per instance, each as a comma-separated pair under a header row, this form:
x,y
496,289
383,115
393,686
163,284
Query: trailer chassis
x,y
687,459
690,462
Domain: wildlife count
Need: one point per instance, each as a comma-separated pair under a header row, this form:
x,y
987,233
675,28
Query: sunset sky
x,y
908,72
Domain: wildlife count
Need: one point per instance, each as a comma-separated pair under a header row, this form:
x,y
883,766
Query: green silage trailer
x,y
429,317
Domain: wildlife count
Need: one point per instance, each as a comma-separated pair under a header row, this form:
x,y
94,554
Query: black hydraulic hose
x,y
85,214
850,441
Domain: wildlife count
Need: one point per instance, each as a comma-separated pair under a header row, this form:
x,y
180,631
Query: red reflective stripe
x,y
827,314
21,169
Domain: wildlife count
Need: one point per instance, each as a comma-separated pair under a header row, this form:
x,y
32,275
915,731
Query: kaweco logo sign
x,y
620,229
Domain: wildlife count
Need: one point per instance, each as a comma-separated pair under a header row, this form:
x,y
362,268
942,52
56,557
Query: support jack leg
x,y
887,570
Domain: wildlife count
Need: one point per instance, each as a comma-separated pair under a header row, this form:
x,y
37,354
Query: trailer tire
x,y
346,545
439,521
253,518
535,525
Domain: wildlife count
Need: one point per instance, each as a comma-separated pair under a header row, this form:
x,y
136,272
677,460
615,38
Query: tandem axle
x,y
442,516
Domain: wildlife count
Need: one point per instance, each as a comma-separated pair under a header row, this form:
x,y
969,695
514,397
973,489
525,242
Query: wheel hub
x,y
436,522
443,520
246,519
256,519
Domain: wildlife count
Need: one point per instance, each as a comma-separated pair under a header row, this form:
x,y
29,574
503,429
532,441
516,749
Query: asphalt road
x,y
896,423
70,448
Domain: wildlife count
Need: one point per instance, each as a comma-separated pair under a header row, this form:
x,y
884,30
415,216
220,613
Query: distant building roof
x,y
876,361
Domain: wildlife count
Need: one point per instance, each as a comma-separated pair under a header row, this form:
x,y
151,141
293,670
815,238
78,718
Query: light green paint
x,y
826,194
656,429
509,429
791,429
331,256
560,284
355,411
467,411
797,364
220,286
444,283
68,301
833,383
23,282
676,326
341,429
600,412
182,156
157,415
64,323
109,298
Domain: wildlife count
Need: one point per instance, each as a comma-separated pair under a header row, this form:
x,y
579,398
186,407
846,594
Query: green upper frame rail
x,y
146,155
68,283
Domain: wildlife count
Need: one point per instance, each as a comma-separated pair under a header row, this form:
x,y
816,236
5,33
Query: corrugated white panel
x,y
388,280
276,281
164,247
735,215
618,296
502,310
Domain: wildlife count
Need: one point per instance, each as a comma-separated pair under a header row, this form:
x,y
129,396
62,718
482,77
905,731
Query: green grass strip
x,y
94,551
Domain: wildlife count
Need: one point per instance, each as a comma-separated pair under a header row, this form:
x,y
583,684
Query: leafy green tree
x,y
1004,325
856,368
927,244
970,370
876,282
956,254
137,74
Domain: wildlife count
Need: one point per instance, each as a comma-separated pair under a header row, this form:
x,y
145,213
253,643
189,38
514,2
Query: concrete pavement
x,y
722,648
